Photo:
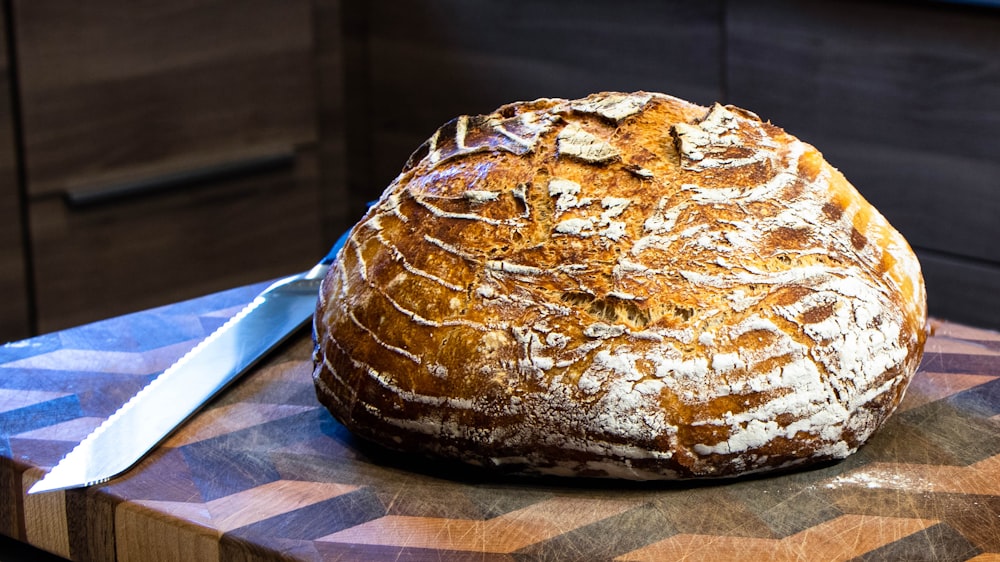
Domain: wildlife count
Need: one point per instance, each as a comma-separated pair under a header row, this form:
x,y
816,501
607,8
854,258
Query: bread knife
x,y
182,389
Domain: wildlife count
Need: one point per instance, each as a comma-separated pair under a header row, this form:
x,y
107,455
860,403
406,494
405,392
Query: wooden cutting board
x,y
264,473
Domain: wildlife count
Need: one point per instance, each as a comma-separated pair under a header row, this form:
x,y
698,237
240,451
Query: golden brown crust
x,y
626,285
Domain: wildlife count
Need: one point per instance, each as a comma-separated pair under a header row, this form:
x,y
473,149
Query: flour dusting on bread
x,y
627,285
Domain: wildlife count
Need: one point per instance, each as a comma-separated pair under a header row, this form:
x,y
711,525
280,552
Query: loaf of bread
x,y
626,286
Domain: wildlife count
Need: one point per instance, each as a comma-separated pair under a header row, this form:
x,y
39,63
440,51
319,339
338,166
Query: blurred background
x,y
153,151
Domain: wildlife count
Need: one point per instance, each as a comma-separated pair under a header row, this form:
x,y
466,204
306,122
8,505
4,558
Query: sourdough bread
x,y
626,285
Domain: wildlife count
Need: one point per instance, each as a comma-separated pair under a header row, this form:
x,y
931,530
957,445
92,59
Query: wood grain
x,y
264,473
152,534
46,522
135,92
122,86
14,321
92,538
844,539
98,262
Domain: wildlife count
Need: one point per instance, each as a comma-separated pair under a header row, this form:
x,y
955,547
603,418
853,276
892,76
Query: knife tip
x,y
43,486
50,484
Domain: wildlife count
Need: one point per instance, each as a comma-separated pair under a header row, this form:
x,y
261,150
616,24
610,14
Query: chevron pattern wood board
x,y
265,473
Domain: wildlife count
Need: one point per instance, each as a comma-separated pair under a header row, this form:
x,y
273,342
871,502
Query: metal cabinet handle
x,y
87,197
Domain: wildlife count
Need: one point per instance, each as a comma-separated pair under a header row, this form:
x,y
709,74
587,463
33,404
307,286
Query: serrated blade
x,y
183,388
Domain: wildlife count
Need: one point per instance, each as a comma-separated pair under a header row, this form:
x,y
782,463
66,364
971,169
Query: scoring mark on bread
x,y
615,107
576,142
665,286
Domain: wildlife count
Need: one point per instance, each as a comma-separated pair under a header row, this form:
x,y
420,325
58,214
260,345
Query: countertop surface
x,y
265,473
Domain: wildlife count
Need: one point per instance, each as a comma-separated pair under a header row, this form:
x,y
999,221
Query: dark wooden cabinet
x,y
169,149
118,90
14,320
137,253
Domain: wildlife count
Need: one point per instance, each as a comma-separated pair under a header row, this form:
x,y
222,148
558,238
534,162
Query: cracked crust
x,y
626,285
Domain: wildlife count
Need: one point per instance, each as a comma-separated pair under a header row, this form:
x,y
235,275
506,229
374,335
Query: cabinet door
x,y
14,305
102,260
124,89
182,102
